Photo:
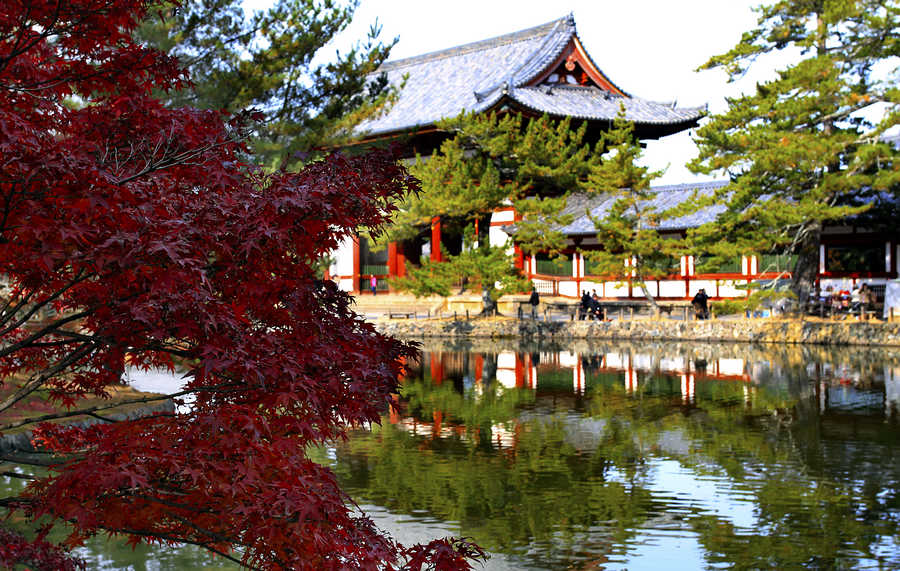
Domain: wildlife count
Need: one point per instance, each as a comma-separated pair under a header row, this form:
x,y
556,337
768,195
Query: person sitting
x,y
585,305
596,308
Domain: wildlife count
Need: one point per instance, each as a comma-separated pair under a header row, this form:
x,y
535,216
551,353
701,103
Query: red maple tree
x,y
135,235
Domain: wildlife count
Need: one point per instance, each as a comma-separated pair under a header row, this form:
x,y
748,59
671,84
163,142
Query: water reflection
x,y
614,456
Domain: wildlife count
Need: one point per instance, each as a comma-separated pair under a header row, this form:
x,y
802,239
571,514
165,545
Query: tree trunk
x,y
654,307
803,278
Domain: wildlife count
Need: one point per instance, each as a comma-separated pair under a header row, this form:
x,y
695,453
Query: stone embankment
x,y
743,330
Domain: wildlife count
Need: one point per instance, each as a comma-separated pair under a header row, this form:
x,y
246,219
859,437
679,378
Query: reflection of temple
x,y
567,378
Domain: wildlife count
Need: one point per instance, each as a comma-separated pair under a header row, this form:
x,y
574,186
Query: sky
x,y
649,48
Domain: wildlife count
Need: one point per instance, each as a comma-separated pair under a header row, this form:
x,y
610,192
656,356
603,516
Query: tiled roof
x,y
474,77
592,103
665,197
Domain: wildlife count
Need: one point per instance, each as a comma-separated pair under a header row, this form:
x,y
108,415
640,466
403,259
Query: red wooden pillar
x,y
479,367
401,265
436,239
519,257
356,254
392,259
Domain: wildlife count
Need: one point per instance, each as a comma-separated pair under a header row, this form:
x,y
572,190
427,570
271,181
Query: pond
x,y
621,456
625,456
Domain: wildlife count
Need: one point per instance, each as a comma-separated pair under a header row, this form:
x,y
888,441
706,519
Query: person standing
x,y
534,300
701,304
373,283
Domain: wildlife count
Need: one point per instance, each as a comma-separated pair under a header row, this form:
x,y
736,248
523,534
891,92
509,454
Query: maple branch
x,y
14,502
38,380
180,539
28,341
99,408
178,159
78,278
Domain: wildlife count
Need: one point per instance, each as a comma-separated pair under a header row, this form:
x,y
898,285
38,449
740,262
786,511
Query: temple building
x,y
546,70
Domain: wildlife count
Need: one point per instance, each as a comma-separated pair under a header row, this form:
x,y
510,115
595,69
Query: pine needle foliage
x,y
495,161
632,246
798,151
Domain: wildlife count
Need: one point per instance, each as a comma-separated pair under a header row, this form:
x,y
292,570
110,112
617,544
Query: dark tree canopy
x,y
137,234
276,61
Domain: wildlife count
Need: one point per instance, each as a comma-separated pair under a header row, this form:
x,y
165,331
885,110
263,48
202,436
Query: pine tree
x,y
491,162
797,151
267,61
633,249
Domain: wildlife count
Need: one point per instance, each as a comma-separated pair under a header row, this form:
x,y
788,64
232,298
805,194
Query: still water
x,y
620,456
593,456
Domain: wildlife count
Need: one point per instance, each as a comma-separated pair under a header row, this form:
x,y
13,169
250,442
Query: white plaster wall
x,y
652,287
697,285
590,287
497,237
503,216
616,289
569,288
728,289
346,284
343,259
672,288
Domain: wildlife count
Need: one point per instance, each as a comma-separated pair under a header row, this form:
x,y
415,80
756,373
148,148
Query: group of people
x,y
590,306
840,300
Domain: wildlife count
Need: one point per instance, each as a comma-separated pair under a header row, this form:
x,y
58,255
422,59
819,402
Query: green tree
x,y
491,162
633,248
488,268
797,150
272,61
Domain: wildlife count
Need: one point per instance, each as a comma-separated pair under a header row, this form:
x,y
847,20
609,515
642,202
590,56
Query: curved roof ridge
x,y
553,44
513,37
699,185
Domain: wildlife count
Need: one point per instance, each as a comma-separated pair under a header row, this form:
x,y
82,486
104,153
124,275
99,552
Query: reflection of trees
x,y
116,553
824,489
810,512
544,493
475,407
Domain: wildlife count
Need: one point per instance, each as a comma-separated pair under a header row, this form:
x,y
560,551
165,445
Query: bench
x,y
399,314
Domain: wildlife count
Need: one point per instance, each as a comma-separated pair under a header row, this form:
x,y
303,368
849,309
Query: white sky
x,y
649,48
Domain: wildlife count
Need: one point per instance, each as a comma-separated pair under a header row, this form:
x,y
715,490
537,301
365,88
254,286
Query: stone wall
x,y
744,330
